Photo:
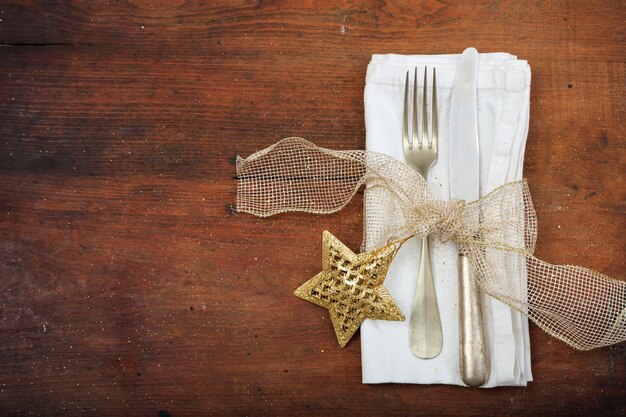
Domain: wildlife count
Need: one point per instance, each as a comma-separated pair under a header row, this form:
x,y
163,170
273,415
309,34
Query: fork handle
x,y
472,350
425,335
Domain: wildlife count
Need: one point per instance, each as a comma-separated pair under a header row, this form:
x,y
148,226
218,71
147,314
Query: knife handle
x,y
472,350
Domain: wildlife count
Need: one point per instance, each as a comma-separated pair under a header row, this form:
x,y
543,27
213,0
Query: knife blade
x,y
465,185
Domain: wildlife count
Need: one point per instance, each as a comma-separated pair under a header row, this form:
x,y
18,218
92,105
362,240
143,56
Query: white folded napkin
x,y
503,110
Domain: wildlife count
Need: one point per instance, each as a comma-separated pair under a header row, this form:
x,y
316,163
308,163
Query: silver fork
x,y
425,335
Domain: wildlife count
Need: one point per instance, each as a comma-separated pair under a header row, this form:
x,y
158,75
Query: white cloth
x,y
503,112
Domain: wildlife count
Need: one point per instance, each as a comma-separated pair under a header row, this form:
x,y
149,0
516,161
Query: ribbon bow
x,y
582,307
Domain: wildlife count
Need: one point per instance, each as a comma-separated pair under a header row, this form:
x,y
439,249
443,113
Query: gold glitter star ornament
x,y
350,286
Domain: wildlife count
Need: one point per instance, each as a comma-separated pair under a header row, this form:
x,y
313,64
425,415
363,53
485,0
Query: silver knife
x,y
465,185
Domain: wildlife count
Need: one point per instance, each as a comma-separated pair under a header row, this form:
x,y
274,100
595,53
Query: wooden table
x,y
130,286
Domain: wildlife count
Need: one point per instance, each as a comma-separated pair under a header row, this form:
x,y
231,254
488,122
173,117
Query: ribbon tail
x,y
296,175
579,306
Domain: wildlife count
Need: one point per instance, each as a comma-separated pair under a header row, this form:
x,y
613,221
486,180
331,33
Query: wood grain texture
x,y
129,286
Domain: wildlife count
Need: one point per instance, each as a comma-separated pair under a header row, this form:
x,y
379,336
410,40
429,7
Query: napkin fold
x,y
503,100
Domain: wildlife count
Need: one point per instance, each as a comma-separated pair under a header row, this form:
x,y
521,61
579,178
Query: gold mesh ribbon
x,y
583,308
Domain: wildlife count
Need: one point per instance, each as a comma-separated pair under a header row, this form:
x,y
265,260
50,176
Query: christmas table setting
x,y
486,100
312,208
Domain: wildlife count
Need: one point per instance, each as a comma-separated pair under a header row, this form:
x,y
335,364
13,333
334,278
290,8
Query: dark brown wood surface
x,y
129,286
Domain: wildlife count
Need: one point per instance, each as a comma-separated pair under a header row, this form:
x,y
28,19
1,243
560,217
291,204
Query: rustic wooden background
x,y
129,286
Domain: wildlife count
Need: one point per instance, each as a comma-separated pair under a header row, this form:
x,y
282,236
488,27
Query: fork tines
x,y
432,143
